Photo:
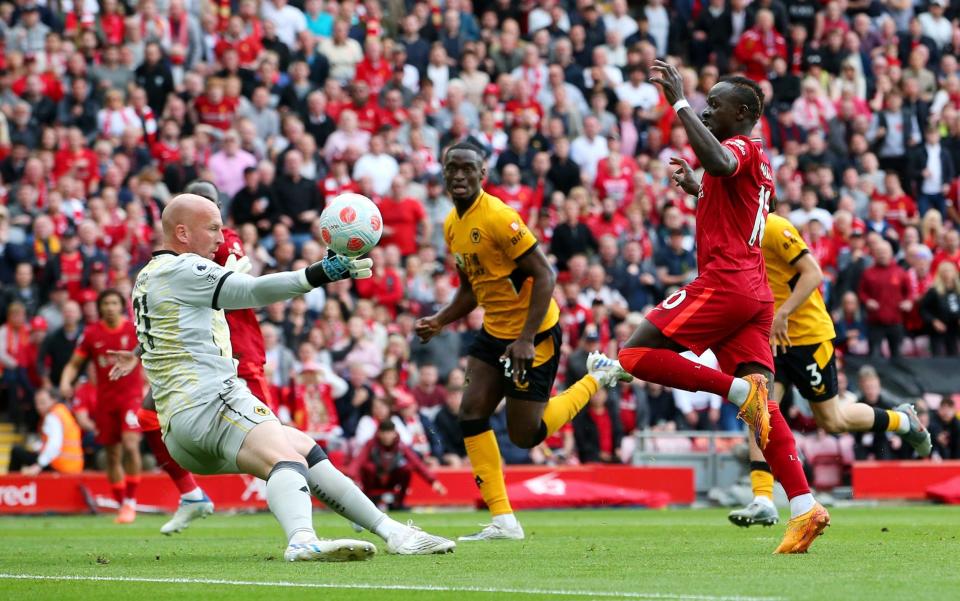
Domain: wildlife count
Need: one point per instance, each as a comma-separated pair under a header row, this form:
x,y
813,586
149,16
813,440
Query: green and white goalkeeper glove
x,y
239,265
338,267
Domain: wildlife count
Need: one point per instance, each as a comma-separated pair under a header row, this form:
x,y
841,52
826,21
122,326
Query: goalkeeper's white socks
x,y
289,499
340,494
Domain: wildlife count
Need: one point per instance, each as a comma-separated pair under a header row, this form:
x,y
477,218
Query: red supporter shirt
x,y
889,287
520,198
247,49
94,343
368,116
731,215
616,225
219,115
900,210
618,186
332,187
375,74
402,217
245,336
71,273
604,429
516,110
165,154
386,288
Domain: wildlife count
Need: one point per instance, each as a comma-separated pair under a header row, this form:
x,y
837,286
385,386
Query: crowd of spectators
x,y
109,108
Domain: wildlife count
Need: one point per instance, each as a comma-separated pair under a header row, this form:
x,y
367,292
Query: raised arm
x,y
715,158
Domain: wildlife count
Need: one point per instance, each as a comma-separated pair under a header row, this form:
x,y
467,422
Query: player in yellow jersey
x,y
802,340
503,269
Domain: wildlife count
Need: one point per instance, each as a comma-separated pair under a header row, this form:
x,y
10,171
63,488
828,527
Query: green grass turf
x,y
868,553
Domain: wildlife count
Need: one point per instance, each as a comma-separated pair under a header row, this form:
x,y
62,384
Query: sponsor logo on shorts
x,y
523,385
131,419
261,410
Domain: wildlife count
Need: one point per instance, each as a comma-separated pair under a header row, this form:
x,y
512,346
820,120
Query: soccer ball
x,y
351,225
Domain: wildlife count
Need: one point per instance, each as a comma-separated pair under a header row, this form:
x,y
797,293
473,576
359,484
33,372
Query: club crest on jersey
x,y
475,236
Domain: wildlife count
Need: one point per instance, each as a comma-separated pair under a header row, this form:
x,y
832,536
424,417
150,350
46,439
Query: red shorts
x,y
113,419
149,422
734,326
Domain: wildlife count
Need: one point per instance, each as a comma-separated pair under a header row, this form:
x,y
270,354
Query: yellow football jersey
x,y
486,243
782,247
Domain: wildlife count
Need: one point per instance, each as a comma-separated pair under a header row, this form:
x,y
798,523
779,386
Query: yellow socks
x,y
761,479
484,453
894,417
566,405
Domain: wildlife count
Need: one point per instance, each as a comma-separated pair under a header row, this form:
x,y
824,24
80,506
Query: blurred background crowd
x,y
109,108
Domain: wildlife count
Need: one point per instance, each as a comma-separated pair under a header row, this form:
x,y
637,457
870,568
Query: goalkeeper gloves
x,y
240,265
337,267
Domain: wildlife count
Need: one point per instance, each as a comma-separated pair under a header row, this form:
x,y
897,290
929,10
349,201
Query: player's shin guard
x,y
781,454
484,454
288,497
668,368
340,494
183,479
566,405
761,479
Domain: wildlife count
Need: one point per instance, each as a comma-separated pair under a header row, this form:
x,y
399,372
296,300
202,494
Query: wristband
x,y
681,104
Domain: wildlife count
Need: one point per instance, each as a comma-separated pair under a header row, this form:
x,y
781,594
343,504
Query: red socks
x,y
118,489
132,482
668,368
181,478
781,455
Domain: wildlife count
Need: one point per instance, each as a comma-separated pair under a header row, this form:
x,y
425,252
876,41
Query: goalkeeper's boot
x,y
754,411
186,513
764,514
411,540
330,550
918,437
803,530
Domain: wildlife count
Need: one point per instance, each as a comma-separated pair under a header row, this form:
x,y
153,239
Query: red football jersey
x,y
402,217
94,343
375,74
368,116
219,115
731,215
245,336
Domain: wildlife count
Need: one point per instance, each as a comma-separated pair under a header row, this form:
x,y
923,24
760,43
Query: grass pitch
x,y
692,555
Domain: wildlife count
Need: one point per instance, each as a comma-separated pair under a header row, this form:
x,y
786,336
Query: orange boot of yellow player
x,y
127,513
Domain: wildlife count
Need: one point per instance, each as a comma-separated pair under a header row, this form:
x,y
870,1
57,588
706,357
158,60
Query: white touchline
x,y
392,587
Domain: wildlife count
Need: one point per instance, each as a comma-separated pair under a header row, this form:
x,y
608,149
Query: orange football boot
x,y
755,411
127,513
803,530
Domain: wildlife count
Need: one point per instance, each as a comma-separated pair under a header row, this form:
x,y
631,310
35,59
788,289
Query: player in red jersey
x,y
729,307
115,415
